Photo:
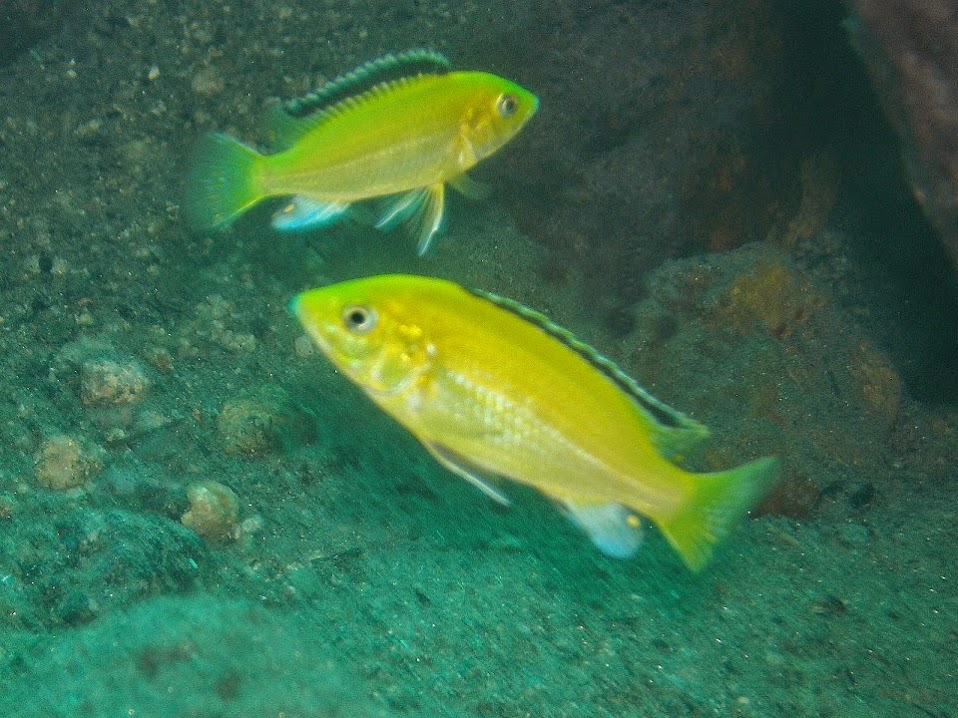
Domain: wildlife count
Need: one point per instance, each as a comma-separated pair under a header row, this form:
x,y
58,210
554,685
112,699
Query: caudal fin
x,y
718,503
220,186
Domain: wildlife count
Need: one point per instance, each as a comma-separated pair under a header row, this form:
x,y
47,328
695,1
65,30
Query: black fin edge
x,y
658,410
367,76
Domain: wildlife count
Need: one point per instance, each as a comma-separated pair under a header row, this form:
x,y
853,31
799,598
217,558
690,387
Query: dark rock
x,y
911,49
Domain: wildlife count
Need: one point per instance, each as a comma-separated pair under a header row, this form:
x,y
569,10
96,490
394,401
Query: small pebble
x,y
213,511
248,427
207,82
65,462
105,382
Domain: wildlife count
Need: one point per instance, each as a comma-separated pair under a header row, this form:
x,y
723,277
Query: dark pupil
x,y
357,318
508,105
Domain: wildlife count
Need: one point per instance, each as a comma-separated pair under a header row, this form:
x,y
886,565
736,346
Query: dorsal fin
x,y
672,432
287,122
367,76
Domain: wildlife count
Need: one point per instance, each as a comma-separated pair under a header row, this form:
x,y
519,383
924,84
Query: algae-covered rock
x,y
109,382
99,374
214,508
248,426
258,422
66,462
747,343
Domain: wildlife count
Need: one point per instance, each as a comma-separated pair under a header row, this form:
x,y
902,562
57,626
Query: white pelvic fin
x,y
614,529
400,208
464,469
421,209
468,187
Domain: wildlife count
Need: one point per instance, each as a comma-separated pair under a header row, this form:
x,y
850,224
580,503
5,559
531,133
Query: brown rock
x,y
66,462
911,49
106,382
213,510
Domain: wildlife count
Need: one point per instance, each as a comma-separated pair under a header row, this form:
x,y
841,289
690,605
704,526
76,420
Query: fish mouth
x,y
533,107
319,332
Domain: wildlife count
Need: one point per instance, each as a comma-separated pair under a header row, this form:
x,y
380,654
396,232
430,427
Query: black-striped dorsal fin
x,y
366,77
672,432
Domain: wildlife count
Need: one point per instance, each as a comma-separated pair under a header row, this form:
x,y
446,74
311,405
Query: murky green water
x,y
199,517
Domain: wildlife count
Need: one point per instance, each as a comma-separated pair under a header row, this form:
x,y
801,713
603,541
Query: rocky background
x,y
911,49
197,517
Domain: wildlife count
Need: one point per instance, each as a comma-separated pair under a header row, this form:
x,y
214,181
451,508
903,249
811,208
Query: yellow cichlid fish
x,y
493,389
401,128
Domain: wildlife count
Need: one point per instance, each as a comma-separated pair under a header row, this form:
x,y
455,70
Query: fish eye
x,y
507,105
359,320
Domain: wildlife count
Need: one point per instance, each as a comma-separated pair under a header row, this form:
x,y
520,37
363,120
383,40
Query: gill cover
x,y
501,110
381,354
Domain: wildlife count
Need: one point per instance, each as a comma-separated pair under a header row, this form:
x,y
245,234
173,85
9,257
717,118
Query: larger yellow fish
x,y
400,127
493,389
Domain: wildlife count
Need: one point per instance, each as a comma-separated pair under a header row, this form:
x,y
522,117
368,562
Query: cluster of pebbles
x,y
113,390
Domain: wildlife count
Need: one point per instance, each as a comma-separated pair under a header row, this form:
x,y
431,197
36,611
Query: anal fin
x,y
302,213
614,529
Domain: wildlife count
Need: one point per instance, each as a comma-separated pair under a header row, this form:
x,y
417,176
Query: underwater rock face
x,y
764,356
672,136
911,49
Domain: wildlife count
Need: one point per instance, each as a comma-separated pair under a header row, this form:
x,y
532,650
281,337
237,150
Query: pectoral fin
x,y
465,469
614,529
302,213
421,210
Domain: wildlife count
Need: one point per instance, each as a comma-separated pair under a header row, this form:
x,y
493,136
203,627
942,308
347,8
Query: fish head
x,y
497,111
366,328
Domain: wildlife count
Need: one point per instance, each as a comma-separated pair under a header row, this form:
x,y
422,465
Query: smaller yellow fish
x,y
401,128
493,389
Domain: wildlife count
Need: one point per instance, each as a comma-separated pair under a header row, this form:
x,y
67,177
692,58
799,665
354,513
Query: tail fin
x,y
719,501
220,186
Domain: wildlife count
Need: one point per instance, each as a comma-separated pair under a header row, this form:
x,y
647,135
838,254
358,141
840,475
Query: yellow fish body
x,y
493,389
401,127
